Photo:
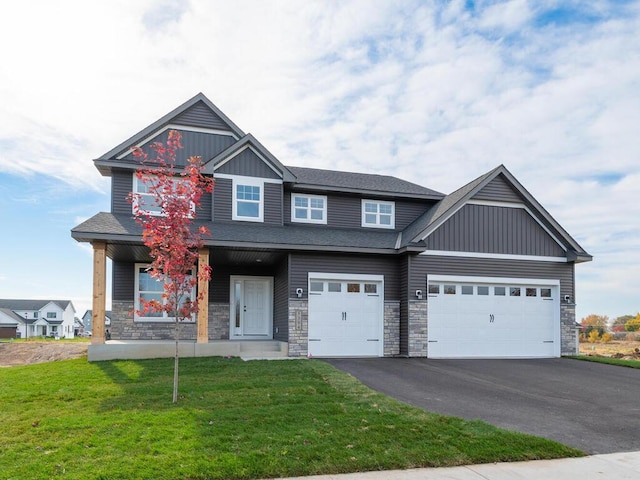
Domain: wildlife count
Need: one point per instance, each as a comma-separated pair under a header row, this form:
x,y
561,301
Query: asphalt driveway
x,y
590,406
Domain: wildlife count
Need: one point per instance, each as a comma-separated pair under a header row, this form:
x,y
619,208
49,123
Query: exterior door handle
x,y
491,318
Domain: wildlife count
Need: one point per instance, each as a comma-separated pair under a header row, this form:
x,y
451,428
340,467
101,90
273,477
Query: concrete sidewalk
x,y
618,466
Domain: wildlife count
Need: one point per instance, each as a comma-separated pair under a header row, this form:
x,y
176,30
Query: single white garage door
x,y
345,316
489,319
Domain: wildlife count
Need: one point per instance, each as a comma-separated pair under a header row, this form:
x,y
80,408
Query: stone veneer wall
x,y
391,329
298,328
124,328
568,330
417,331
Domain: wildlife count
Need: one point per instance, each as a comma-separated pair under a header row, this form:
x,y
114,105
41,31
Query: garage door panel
x,y
492,321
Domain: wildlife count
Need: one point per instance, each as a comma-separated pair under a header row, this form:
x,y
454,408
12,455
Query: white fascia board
x,y
345,276
494,280
253,180
525,208
177,127
260,156
495,256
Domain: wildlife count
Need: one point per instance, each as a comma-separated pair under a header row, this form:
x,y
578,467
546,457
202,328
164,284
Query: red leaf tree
x,y
166,212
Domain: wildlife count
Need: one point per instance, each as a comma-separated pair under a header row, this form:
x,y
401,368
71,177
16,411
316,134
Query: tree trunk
x,y
175,361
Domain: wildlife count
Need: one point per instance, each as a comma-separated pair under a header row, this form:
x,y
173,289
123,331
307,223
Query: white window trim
x,y
309,197
165,317
151,197
254,182
378,224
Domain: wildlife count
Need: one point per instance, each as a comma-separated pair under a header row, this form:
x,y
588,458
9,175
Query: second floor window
x,y
248,200
52,315
378,214
308,208
147,201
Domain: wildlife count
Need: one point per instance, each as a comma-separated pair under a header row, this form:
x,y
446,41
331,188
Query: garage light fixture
x,y
419,294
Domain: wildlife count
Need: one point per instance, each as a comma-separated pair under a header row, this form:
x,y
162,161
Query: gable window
x,y
248,200
146,201
52,315
149,288
308,208
378,214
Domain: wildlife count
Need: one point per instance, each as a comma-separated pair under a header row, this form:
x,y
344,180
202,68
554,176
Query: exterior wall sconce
x,y
299,292
419,294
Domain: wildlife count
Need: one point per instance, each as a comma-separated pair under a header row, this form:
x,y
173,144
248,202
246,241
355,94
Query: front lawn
x,y
115,420
621,362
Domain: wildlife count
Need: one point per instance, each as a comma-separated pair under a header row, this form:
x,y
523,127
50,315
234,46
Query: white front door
x,y
251,310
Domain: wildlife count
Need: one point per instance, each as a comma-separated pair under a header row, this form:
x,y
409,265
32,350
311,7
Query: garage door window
x,y
434,288
353,287
514,292
545,292
370,288
532,292
483,290
467,290
335,287
316,287
499,291
449,289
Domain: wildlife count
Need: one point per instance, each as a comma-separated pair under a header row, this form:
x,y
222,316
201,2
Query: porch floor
x,y
141,349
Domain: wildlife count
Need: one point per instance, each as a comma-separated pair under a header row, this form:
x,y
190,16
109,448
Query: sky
x,y
433,92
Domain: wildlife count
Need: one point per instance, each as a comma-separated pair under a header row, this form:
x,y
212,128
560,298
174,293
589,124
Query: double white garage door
x,y
345,315
492,318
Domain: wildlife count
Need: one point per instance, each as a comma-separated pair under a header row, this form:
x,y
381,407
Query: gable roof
x,y
176,116
350,182
26,304
11,315
448,206
249,141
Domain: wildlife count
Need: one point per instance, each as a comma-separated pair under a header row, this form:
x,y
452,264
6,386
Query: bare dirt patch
x,y
25,353
614,349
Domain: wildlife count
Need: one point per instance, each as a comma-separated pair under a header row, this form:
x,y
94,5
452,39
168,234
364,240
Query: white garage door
x,y
489,319
345,316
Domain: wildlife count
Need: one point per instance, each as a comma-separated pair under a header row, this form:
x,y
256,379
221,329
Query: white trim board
x,y
243,178
494,256
493,280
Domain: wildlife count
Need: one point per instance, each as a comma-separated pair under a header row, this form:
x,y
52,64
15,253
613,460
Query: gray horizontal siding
x,y
221,274
249,164
121,186
498,190
484,229
123,281
421,266
199,115
223,202
301,265
346,211
281,302
196,144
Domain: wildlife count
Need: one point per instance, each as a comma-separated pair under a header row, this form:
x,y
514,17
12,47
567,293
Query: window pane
x,y
370,288
483,290
316,214
385,220
369,218
317,203
148,297
467,290
514,292
545,292
316,287
371,208
247,209
499,291
449,289
353,287
385,208
335,287
532,292
301,201
301,213
434,288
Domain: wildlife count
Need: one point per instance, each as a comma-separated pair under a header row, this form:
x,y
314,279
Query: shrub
x,y
594,335
606,337
633,325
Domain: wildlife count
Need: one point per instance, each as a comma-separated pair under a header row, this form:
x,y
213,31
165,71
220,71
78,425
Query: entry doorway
x,y
251,312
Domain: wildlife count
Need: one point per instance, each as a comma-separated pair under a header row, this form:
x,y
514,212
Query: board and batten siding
x,y
247,163
346,211
498,190
223,202
301,264
199,115
423,265
488,229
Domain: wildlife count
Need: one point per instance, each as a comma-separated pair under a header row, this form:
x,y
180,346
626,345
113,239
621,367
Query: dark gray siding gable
x,y
199,115
249,164
500,230
222,202
121,186
273,203
498,190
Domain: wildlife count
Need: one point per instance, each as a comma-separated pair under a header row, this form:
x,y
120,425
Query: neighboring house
x,y
87,320
345,264
46,318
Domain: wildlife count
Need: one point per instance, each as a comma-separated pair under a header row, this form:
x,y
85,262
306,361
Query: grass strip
x,y
621,362
234,420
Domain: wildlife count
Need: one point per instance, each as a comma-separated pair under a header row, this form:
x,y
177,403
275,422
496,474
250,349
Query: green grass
x,y
621,362
115,420
40,339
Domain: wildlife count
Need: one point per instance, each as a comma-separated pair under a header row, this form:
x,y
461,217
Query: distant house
x,y
87,320
331,263
30,318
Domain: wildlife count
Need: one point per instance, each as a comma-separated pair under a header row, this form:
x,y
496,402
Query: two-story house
x,y
31,318
335,263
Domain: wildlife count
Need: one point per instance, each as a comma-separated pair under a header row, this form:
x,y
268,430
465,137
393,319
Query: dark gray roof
x,y
315,178
107,226
21,304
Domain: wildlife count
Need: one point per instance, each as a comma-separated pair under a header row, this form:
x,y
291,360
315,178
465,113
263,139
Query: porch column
x,y
99,288
203,304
